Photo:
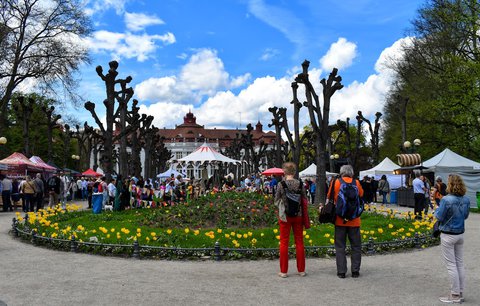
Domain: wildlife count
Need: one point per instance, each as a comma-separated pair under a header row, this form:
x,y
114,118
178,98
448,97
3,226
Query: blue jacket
x,y
451,214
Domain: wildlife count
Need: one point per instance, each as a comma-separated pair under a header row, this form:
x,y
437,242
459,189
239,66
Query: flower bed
x,y
228,225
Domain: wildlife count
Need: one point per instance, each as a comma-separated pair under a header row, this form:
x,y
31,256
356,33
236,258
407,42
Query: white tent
x,y
205,153
311,171
169,173
447,162
385,167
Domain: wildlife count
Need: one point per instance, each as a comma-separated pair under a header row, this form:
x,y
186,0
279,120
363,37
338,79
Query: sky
x,y
228,61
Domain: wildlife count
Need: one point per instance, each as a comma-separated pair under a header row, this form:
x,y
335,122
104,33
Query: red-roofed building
x,y
186,137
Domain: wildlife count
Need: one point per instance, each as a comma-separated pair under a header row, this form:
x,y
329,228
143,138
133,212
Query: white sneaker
x,y
451,298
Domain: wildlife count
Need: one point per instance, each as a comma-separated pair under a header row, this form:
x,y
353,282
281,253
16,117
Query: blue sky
x,y
229,60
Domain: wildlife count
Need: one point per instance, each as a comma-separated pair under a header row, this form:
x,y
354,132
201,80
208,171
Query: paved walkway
x,y
36,276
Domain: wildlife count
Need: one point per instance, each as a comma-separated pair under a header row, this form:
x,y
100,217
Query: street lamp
x,y
76,158
3,141
333,158
408,145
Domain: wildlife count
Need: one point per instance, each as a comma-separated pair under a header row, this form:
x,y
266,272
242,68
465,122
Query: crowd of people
x,y
452,207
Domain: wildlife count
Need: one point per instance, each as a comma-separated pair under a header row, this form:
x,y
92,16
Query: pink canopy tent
x,y
40,163
90,172
19,164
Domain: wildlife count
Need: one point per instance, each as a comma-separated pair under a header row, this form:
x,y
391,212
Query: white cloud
x,y
127,45
392,54
269,53
204,72
340,55
139,21
157,89
252,102
369,96
98,6
182,56
240,81
166,114
203,75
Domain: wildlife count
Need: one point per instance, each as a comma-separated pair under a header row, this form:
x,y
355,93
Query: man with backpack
x,y
349,206
53,185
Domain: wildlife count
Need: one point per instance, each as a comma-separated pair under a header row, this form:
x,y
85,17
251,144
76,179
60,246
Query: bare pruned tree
x,y
106,133
319,119
374,134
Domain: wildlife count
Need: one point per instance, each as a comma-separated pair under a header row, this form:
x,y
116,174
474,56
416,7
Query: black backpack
x,y
52,183
293,205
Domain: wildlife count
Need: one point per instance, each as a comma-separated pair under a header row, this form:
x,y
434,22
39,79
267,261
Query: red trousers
x,y
297,225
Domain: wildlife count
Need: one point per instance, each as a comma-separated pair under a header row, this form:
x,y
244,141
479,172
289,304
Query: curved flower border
x,y
216,252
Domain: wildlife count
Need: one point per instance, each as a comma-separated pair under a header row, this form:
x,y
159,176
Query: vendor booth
x,y
18,164
447,162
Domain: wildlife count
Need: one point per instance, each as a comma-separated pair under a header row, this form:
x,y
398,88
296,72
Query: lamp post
x,y
76,158
407,145
3,141
333,161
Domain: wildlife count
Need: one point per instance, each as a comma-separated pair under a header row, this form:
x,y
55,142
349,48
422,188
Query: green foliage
x,y
37,131
440,76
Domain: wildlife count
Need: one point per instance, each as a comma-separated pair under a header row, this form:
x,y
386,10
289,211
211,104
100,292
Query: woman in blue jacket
x,y
451,215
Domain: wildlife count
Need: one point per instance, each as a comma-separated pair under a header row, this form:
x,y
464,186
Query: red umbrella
x,y
273,171
90,172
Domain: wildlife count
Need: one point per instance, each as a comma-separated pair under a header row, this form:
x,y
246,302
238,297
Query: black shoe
x,y
341,275
355,274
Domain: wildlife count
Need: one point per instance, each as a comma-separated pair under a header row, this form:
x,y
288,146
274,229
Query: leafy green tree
x,y
439,74
40,40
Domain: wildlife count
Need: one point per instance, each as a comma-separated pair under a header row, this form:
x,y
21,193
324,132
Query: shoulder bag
x,y
327,212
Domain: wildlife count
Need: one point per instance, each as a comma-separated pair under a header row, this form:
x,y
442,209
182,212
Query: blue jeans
x,y
384,197
84,194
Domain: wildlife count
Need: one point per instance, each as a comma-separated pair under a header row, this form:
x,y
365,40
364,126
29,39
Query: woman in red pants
x,y
288,199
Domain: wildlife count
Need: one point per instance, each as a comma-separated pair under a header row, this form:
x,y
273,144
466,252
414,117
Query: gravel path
x,y
36,276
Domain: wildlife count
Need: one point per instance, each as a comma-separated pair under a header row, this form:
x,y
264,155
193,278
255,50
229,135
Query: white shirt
x,y
418,186
111,190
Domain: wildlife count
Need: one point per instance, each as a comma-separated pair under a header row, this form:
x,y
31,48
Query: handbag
x,y
327,212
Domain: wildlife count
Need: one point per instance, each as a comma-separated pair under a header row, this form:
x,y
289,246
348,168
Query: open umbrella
x,y
273,171
89,172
